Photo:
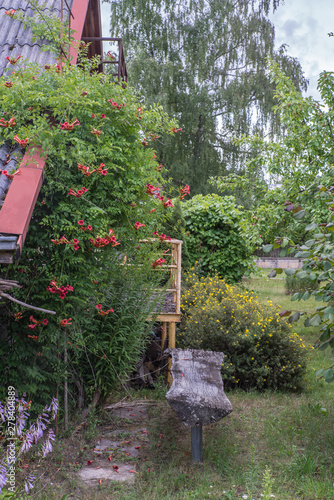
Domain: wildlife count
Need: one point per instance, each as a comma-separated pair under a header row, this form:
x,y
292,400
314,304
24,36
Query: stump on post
x,y
197,392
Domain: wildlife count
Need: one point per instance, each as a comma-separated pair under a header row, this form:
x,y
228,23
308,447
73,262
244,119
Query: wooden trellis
x,y
169,319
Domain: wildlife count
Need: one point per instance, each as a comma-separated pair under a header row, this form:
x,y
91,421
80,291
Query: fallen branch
x,y
9,297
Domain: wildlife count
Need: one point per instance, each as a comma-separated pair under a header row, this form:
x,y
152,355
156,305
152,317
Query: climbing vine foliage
x,y
93,208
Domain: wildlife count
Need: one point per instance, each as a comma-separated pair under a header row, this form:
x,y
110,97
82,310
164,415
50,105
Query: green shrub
x,y
294,284
215,237
261,350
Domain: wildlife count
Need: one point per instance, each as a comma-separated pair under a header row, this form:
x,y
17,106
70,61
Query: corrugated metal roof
x,y
15,40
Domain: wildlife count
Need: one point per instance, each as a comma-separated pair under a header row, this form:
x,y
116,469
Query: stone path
x,y
117,450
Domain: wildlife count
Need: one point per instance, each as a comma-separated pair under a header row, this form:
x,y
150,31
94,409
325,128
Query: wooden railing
x,y
121,74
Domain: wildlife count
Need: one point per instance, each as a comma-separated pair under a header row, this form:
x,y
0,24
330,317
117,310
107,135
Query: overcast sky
x,y
302,25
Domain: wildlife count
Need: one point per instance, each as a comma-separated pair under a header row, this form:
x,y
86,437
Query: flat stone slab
x,y
93,476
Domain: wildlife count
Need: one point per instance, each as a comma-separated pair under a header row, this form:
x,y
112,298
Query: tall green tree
x,y
205,61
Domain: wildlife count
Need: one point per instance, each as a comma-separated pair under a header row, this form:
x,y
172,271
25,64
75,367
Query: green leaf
x,y
306,295
309,227
295,296
319,372
289,272
272,274
315,320
295,317
325,335
300,214
323,346
267,248
328,375
327,265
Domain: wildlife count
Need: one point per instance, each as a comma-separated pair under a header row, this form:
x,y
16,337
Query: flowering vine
x,y
6,124
79,193
61,291
158,262
69,126
101,312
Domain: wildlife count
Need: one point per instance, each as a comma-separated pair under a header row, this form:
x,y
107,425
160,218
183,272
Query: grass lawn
x,y
273,445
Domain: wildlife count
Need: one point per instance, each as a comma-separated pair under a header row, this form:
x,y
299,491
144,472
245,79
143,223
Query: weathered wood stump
x,y
197,392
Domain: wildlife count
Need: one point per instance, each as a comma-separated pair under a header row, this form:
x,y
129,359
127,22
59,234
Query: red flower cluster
x,y
103,242
62,291
153,210
158,262
7,124
103,313
85,170
139,113
69,126
11,176
87,173
115,104
162,236
37,323
167,203
151,190
184,191
174,130
96,132
79,193
159,168
65,322
109,54
102,170
10,12
33,337
138,225
12,60
81,224
8,84
154,191
23,142
64,241
18,316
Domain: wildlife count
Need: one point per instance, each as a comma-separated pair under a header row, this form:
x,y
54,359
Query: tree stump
x,y
197,392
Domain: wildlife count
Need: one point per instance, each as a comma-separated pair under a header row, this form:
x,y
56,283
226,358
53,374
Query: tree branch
x,y
2,294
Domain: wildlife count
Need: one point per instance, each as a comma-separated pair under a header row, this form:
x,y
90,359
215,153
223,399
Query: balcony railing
x,y
121,74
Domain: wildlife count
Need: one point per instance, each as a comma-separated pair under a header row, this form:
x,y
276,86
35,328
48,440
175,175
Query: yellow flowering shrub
x,y
261,350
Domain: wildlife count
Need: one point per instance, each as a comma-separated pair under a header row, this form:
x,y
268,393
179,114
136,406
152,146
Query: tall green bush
x,y
216,240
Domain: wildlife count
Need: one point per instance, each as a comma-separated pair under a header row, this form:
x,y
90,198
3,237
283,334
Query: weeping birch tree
x,y
206,62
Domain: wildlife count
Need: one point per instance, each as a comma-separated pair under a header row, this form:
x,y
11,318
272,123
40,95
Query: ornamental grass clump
x,y
262,351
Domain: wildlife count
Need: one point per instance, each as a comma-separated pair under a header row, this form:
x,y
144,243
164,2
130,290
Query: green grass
x,y
272,444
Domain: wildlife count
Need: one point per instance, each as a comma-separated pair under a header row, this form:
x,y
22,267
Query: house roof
x,y
15,40
18,197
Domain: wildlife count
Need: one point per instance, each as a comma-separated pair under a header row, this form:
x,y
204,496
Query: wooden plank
x,y
168,317
164,329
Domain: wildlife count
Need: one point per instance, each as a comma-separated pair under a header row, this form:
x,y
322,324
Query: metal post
x,y
196,443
